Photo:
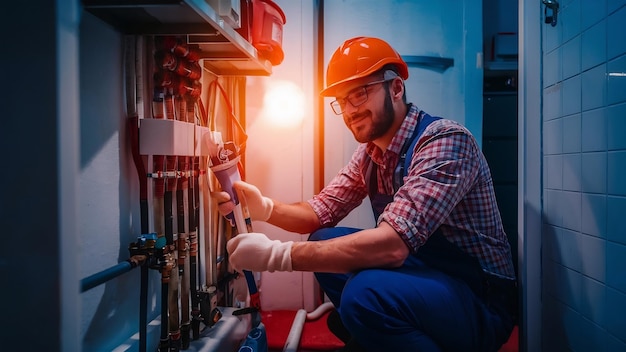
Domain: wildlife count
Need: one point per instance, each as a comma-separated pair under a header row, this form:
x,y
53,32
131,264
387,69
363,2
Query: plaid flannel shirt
x,y
448,185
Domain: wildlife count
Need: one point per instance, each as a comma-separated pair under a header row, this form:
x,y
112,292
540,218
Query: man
x,y
436,273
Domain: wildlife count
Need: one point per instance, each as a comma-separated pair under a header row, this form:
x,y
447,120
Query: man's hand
x,y
256,252
260,207
224,204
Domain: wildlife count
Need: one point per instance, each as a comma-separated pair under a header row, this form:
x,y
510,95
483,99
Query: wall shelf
x,y
225,52
430,62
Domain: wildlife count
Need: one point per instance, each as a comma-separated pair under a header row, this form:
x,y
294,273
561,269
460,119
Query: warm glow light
x,y
283,104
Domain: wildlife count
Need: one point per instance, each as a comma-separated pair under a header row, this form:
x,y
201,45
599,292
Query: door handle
x,y
552,6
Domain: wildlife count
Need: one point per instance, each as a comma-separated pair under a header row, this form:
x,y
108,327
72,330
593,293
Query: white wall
x,y
280,154
107,191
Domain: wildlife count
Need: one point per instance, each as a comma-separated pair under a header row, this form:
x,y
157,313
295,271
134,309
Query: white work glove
x,y
260,207
255,252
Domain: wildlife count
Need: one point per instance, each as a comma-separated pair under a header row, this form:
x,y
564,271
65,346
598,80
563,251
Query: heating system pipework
x,y
183,237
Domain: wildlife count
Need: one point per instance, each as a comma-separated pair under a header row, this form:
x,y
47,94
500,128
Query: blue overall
x,y
438,300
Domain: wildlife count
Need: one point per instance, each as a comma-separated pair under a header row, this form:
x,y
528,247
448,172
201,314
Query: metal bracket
x,y
553,7
432,62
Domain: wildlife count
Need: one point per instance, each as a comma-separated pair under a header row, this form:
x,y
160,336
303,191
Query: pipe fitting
x,y
137,260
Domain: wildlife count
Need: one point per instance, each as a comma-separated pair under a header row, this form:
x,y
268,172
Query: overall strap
x,y
406,153
379,201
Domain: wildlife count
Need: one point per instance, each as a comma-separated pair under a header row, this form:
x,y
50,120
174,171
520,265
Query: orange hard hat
x,y
359,57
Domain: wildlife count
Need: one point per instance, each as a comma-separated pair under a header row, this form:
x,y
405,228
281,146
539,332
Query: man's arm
x,y
296,217
378,247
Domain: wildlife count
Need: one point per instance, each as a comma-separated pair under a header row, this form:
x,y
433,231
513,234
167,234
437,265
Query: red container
x,y
268,20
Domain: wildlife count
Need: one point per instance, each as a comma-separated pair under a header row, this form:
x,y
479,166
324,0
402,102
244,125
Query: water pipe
x,y
103,276
293,339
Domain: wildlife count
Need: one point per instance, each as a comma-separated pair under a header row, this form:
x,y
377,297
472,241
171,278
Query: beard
x,y
379,122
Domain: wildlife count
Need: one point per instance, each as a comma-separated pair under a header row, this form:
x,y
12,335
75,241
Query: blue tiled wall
x,y
584,178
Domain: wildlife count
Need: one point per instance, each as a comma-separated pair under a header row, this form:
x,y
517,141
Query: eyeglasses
x,y
356,97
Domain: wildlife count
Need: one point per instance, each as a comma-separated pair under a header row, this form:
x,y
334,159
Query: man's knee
x,y
361,310
320,235
361,294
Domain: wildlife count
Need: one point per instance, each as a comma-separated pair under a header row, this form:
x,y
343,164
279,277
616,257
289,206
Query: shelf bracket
x,y
430,62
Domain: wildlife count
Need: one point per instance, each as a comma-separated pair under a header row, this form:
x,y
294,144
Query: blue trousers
x,y
411,308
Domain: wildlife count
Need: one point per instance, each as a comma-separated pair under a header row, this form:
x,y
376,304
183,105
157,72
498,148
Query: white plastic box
x,y
228,10
166,137
171,137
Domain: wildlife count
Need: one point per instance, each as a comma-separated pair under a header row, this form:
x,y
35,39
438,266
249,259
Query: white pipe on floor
x,y
293,339
319,311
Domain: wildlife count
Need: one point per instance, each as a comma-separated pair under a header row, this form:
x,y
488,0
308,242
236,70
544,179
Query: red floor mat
x,y
315,334
317,337
512,345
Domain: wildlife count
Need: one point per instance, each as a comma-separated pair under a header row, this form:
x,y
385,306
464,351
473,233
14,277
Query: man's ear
x,y
397,88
